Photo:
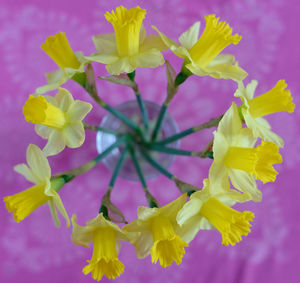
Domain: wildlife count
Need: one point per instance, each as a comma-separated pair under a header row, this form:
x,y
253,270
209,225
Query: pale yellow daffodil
x,y
129,47
159,233
235,157
210,208
106,237
70,63
254,108
45,189
202,56
58,119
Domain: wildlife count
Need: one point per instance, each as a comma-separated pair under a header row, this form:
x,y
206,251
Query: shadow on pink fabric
x,y
35,251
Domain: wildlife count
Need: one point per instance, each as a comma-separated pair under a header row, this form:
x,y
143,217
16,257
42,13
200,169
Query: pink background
x,y
35,251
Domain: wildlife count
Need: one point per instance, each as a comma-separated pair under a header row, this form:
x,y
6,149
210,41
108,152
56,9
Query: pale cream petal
x,y
59,205
189,230
144,244
181,52
220,146
261,128
56,143
153,41
232,197
50,87
221,71
245,138
243,182
54,77
145,213
43,131
38,162
190,209
231,124
122,65
190,37
54,213
74,135
218,178
103,58
148,59
143,34
64,99
171,209
26,172
105,43
78,110
169,42
250,89
222,59
81,235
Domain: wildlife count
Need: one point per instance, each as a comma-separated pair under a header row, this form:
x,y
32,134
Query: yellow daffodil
x,y
45,189
105,237
58,119
129,47
208,209
235,157
59,50
159,233
202,56
254,108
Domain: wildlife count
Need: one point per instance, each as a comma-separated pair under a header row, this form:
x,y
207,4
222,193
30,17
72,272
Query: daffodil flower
x,y
235,157
129,47
254,108
208,209
105,237
44,191
70,63
201,55
58,119
159,233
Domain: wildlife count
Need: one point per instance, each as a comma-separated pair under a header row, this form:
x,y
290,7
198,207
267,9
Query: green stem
x,y
151,200
123,118
140,100
143,109
89,165
100,129
87,81
138,168
157,166
211,123
118,167
170,150
159,122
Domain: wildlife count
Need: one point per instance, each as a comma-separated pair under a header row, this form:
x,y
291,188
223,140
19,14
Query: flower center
x,y
231,223
257,161
275,100
38,111
168,246
127,25
59,50
24,203
215,38
105,257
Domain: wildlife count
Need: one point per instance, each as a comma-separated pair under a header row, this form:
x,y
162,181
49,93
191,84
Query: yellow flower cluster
x,y
161,232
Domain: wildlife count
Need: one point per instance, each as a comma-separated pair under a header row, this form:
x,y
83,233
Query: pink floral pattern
x,y
35,250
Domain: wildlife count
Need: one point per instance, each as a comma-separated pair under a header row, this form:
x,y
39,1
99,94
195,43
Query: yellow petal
x,y
58,48
38,111
216,36
127,25
230,223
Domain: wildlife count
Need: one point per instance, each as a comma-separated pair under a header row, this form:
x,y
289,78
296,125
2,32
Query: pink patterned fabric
x,y
35,251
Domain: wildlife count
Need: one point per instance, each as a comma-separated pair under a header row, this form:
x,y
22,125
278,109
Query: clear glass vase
x,y
132,111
